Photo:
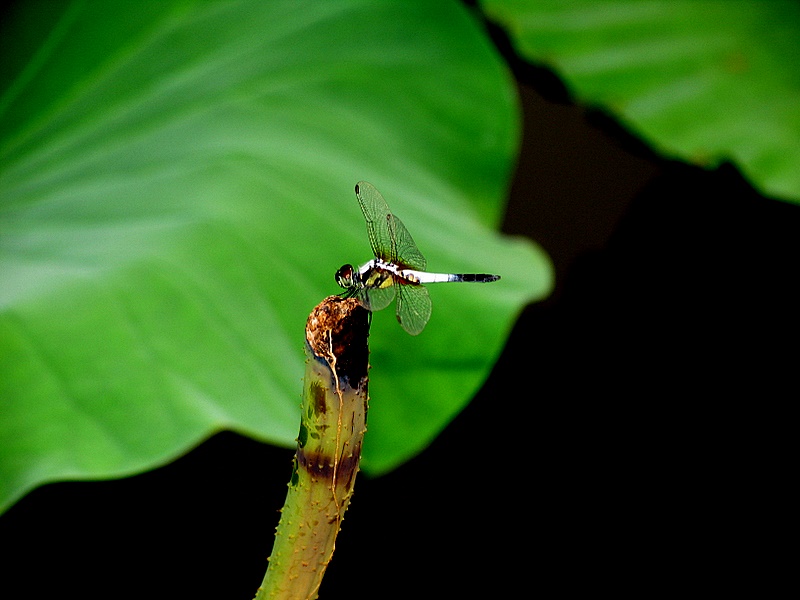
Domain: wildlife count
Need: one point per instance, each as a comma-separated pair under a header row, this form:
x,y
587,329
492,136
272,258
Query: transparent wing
x,y
408,255
413,307
388,236
380,223
376,298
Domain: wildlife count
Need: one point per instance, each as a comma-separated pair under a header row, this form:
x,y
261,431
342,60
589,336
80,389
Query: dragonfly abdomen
x,y
425,277
475,277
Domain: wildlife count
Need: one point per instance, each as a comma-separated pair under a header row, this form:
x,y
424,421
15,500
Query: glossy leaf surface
x,y
703,80
176,194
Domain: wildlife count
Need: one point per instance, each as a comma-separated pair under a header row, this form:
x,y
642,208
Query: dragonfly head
x,y
345,277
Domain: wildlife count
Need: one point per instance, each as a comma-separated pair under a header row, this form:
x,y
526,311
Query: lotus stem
x,y
332,426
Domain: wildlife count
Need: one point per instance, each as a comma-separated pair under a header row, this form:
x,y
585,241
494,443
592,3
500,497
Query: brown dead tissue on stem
x,y
337,330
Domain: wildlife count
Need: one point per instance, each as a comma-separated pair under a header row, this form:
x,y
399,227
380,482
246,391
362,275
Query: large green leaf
x,y
176,193
700,79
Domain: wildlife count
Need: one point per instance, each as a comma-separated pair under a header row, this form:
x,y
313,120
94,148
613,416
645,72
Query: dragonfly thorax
x,y
380,273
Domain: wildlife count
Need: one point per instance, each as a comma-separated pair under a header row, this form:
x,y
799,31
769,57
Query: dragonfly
x,y
398,269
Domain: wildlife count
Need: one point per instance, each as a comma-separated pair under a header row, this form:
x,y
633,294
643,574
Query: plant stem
x,y
332,426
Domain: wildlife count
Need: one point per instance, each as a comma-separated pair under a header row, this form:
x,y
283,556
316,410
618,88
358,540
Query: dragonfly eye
x,y
344,276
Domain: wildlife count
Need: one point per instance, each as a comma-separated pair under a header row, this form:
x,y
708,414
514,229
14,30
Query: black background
x,y
640,418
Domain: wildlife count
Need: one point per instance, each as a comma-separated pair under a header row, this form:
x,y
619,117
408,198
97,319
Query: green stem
x,y
332,426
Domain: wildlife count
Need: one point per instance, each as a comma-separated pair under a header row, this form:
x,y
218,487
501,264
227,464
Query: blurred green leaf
x,y
176,194
701,79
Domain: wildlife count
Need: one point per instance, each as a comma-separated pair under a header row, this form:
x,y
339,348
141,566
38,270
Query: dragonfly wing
x,y
388,236
408,255
380,223
376,298
413,307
